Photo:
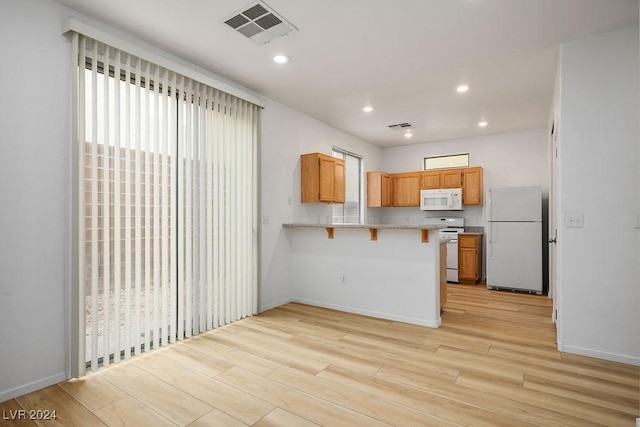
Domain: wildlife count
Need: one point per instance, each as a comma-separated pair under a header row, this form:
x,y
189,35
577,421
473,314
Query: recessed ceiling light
x,y
462,88
281,59
482,124
408,134
368,109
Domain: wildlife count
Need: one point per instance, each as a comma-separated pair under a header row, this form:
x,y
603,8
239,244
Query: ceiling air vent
x,y
401,126
259,23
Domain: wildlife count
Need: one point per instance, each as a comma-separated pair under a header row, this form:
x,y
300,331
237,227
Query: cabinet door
x,y
430,180
338,181
472,187
374,189
468,263
467,257
310,178
451,178
327,179
406,189
378,189
387,189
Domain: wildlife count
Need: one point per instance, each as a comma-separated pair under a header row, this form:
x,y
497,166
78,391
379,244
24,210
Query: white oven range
x,y
454,227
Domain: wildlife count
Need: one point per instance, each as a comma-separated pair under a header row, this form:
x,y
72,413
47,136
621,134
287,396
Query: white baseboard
x,y
620,358
370,313
36,385
274,305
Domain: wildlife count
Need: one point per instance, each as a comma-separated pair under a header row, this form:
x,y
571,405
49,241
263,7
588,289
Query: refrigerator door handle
x,y
489,240
490,228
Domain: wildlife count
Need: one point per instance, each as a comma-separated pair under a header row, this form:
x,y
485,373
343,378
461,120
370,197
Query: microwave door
x,y
431,202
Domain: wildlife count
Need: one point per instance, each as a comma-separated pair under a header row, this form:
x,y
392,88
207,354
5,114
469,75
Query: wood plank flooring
x,y
493,362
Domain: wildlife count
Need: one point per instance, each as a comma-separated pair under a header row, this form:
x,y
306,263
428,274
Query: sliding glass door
x,y
167,202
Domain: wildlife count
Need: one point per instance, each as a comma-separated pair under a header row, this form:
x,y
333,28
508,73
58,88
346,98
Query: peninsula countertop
x,y
375,226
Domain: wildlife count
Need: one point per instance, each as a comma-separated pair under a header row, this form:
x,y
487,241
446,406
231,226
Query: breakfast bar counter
x,y
373,228
391,273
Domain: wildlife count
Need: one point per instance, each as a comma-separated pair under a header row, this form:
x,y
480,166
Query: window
x,y
351,211
448,161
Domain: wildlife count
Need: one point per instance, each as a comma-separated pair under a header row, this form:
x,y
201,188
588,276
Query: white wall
x,y
508,159
34,135
599,289
285,135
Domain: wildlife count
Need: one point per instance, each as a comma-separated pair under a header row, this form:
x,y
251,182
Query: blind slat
x,y
94,210
165,209
173,145
156,214
145,153
128,260
117,216
106,248
188,188
209,221
137,330
79,45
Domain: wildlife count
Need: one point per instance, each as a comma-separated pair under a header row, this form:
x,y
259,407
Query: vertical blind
x,y
168,205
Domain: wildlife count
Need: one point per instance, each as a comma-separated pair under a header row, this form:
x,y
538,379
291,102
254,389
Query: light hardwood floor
x,y
492,363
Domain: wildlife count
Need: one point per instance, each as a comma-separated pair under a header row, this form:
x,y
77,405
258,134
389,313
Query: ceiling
x,y
404,58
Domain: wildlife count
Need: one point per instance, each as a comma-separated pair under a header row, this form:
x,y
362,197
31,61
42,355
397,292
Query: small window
x,y
351,211
448,161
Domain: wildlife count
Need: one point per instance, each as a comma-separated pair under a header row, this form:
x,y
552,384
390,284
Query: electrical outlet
x,y
343,279
265,219
574,220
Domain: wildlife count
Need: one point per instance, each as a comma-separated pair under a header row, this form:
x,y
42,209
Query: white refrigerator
x,y
514,239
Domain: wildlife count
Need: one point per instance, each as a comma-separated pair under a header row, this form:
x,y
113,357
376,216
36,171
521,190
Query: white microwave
x,y
444,199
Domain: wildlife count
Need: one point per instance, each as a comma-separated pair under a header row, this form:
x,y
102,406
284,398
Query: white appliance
x,y
514,239
444,199
455,226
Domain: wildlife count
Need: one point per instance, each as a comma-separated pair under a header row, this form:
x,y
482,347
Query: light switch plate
x,y
574,220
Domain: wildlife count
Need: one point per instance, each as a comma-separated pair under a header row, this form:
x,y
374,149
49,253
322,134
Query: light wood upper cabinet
x,y
451,178
469,179
379,189
472,186
406,189
430,180
322,179
469,258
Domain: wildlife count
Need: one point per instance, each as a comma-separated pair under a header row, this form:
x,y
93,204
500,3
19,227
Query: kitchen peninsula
x,y
392,272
